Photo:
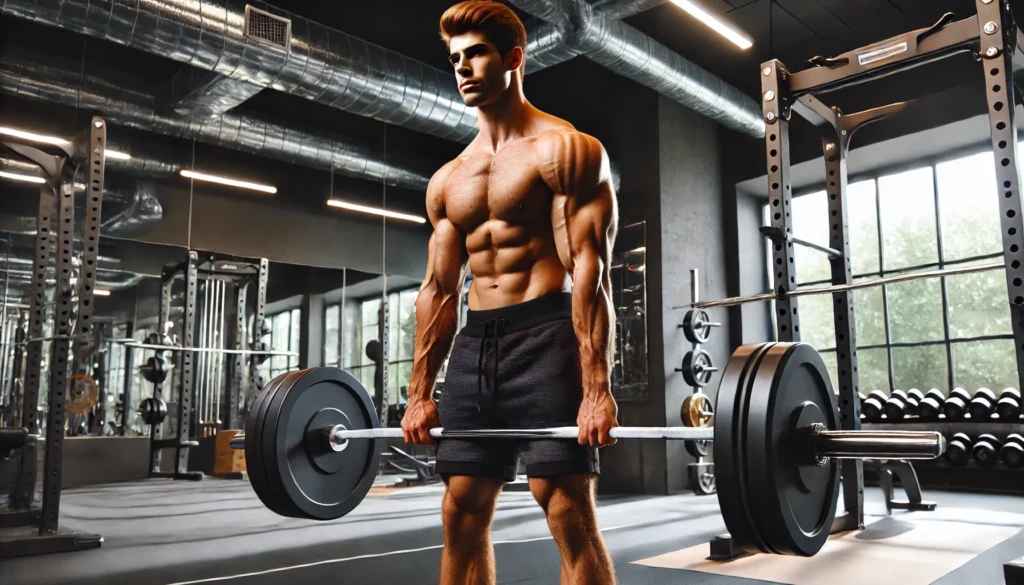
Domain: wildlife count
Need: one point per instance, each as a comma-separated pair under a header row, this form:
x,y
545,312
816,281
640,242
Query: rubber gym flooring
x,y
217,531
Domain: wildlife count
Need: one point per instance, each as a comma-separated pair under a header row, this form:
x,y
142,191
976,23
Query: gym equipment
x,y
982,405
955,407
1012,451
153,411
155,370
82,394
702,478
1008,407
930,408
899,405
914,398
697,411
959,449
697,326
986,449
697,368
308,456
874,406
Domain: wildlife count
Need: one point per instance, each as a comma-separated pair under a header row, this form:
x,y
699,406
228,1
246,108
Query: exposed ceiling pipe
x,y
307,59
30,75
626,51
546,47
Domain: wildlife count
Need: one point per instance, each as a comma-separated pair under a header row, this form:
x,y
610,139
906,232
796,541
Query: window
x,y
283,336
930,333
347,331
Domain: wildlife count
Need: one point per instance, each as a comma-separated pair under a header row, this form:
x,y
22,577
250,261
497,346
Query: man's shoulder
x,y
567,142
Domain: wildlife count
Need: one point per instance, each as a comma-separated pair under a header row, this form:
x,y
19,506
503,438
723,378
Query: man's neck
x,y
504,119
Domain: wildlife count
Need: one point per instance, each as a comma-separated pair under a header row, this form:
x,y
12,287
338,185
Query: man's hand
x,y
420,417
597,417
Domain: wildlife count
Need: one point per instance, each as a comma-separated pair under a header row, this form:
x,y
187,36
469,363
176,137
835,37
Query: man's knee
x,y
469,502
568,501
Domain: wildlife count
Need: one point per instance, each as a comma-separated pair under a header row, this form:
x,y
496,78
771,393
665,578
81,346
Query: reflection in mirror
x,y
629,295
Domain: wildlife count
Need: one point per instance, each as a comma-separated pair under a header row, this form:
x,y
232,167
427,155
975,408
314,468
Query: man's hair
x,y
496,21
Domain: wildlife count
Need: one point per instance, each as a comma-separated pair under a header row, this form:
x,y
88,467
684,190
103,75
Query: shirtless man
x,y
529,206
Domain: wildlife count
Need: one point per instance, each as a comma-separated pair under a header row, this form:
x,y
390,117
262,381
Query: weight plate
x,y
694,326
253,439
696,368
268,441
697,449
793,499
702,478
697,411
730,459
298,455
81,394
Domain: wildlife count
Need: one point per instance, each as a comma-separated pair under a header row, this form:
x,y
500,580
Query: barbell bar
x,y
313,445
770,296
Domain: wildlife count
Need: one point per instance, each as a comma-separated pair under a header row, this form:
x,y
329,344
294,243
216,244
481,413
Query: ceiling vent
x,y
267,28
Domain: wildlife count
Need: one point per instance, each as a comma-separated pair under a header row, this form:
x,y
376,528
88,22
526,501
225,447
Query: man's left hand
x,y
597,417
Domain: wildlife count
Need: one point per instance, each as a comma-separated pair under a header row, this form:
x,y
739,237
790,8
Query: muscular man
x,y
529,207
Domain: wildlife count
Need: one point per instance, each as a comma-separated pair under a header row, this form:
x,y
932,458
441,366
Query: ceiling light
x,y
34,137
116,154
712,21
101,292
374,210
20,177
231,182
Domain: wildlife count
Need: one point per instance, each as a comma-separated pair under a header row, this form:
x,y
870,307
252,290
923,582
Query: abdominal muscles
x,y
513,263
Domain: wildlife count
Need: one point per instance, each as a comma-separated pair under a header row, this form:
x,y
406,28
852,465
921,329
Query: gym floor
x,y
164,532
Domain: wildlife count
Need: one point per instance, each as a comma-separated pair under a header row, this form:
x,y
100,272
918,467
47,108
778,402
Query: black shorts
x,y
515,367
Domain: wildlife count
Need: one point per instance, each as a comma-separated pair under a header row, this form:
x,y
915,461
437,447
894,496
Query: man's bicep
x,y
447,256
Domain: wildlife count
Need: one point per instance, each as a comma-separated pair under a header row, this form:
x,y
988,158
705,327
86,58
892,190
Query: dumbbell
x,y
914,403
959,449
955,407
931,405
899,405
986,449
1008,406
1012,452
982,405
873,406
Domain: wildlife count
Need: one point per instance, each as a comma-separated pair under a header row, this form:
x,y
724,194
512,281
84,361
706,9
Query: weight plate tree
x,y
312,445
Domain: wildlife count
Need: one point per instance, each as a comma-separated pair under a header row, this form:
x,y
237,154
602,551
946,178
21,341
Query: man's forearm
x,y
437,314
593,321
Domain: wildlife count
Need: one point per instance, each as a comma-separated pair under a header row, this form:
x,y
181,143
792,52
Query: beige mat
x,y
892,551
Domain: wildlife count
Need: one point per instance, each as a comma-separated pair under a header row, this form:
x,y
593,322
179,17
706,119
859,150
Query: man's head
x,y
486,44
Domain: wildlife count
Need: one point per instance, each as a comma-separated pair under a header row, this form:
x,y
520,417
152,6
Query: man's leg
x,y
569,504
466,512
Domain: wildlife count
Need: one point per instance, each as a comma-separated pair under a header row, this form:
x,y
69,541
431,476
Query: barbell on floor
x,y
312,445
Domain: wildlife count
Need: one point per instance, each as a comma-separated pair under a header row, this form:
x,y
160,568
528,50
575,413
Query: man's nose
x,y
463,68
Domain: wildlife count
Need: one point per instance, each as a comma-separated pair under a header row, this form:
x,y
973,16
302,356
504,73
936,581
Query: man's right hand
x,y
420,417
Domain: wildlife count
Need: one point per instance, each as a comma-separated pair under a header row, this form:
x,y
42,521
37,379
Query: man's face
x,y
482,75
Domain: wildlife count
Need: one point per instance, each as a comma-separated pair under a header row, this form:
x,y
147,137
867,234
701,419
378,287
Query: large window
x,y
283,336
348,330
929,333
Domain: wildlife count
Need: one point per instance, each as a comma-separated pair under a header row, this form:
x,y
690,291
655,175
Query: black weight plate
x,y
253,445
299,463
697,449
793,500
281,502
702,478
730,462
693,333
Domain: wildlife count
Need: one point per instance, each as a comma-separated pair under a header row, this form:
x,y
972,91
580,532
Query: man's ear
x,y
515,58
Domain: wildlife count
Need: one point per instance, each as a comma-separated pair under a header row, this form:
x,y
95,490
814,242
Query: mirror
x,y
629,295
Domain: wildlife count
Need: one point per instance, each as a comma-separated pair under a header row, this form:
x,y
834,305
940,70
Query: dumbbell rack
x,y
56,209
701,472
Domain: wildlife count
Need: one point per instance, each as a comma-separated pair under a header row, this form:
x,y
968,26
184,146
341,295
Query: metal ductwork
x,y
545,46
265,46
34,76
626,51
129,207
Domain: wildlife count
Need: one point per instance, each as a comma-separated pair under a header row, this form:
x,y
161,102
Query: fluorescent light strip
x,y
116,154
374,211
231,182
720,27
20,177
34,137
101,293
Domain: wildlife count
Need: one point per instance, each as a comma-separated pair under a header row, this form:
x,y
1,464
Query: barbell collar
x,y
879,444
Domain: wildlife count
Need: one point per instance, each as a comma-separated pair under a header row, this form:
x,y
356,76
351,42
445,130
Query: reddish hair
x,y
496,21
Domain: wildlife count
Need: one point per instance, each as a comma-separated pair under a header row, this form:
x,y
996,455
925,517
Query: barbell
x,y
313,445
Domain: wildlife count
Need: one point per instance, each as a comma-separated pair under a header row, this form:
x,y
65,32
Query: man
x,y
529,207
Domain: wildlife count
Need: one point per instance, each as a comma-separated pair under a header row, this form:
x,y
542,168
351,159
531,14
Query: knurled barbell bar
x,y
312,445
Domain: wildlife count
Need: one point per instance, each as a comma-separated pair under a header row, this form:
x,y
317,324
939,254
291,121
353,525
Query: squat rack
x,y
993,37
56,210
